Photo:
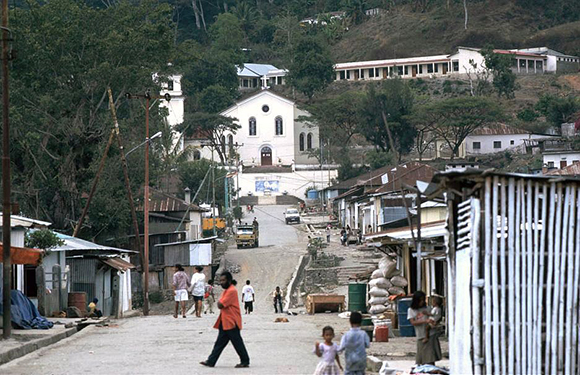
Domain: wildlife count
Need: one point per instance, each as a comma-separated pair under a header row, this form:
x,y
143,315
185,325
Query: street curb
x,y
32,346
302,262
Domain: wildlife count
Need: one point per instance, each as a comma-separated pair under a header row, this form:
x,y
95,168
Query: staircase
x,y
344,273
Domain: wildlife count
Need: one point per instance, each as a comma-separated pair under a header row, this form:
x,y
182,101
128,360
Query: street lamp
x,y
156,135
147,96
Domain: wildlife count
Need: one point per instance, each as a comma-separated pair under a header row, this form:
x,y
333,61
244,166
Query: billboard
x,y
272,186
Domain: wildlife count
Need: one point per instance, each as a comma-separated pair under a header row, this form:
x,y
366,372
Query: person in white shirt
x,y
198,289
248,297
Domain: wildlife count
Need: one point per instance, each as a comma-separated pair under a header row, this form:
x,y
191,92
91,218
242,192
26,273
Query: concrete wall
x,y
487,141
294,183
569,158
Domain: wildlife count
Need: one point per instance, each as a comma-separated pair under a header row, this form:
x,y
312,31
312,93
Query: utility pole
x,y
213,193
6,206
145,264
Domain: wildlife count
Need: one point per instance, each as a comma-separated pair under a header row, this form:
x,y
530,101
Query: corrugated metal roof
x,y
25,222
163,202
73,243
499,129
571,170
118,263
429,230
255,70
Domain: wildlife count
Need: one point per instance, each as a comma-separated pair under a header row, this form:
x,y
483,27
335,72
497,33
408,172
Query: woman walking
x,y
428,351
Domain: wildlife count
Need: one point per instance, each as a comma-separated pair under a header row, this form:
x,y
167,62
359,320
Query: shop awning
x,y
23,255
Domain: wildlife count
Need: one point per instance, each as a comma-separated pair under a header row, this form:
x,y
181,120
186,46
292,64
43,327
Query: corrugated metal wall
x,y
83,276
177,254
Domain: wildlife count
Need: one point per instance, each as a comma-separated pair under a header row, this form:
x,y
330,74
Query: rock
x,y
73,312
69,325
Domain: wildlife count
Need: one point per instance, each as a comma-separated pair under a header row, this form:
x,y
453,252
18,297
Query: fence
x,y
514,271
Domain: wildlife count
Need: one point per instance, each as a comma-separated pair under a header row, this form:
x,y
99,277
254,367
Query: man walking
x,y
180,286
198,289
229,324
278,295
248,297
328,233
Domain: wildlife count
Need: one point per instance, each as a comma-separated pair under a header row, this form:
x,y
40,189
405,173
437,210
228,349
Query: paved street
x,y
162,344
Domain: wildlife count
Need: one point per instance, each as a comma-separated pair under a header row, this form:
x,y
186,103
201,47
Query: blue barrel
x,y
312,194
406,329
357,297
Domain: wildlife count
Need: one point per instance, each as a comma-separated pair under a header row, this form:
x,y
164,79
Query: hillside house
x,y
497,138
252,76
560,159
556,62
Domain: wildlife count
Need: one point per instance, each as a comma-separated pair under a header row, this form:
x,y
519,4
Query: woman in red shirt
x,y
229,324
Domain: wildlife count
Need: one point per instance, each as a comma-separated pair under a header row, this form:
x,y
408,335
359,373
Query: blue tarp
x,y
24,314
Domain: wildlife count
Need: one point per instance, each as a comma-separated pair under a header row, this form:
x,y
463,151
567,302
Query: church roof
x,y
257,94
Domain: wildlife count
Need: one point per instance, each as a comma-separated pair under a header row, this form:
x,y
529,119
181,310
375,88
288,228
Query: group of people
x,y
199,289
353,343
427,323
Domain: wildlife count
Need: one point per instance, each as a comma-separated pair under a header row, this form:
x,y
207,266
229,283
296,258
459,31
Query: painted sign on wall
x,y
273,186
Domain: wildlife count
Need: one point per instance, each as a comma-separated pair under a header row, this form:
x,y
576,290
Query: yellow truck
x,y
247,236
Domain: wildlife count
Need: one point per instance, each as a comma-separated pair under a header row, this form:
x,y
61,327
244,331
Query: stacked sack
x,y
385,281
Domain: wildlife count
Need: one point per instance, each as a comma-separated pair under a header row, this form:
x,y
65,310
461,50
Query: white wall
x,y
302,157
284,147
488,140
569,158
464,56
295,183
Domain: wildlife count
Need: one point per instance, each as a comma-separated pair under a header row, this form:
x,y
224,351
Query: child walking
x,y
328,352
354,344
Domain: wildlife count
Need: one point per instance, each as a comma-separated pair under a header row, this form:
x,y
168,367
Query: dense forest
x,y
67,54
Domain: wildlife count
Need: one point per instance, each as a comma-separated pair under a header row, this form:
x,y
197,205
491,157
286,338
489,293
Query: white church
x,y
275,150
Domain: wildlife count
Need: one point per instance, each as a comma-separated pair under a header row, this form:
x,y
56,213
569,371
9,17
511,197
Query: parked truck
x,y
247,236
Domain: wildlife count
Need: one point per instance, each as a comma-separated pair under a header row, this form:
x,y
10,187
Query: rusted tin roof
x,y
499,129
118,264
163,202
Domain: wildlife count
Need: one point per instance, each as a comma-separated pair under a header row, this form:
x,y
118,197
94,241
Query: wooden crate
x,y
324,302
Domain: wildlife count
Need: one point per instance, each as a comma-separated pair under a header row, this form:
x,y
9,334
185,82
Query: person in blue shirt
x,y
354,344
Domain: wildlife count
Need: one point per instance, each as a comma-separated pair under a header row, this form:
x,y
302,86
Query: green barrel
x,y
357,297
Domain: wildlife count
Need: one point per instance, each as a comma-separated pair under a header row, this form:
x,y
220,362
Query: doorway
x,y
414,70
266,156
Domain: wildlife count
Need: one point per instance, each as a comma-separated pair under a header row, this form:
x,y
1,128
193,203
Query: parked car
x,y
292,216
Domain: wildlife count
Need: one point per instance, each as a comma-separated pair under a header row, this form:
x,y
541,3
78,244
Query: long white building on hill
x,y
466,60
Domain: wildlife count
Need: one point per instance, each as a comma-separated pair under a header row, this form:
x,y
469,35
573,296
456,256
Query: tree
x,y
558,109
213,128
59,109
44,239
452,120
192,174
338,118
312,70
504,80
385,110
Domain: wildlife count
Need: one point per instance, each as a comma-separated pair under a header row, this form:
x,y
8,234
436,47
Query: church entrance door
x,y
266,156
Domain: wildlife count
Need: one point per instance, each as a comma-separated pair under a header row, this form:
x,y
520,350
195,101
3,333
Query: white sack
x,y
378,292
377,309
378,274
399,281
387,265
378,300
380,283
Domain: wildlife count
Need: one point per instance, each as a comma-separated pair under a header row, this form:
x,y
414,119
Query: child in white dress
x,y
328,353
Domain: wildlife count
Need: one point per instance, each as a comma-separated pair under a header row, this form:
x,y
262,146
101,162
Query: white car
x,y
292,216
